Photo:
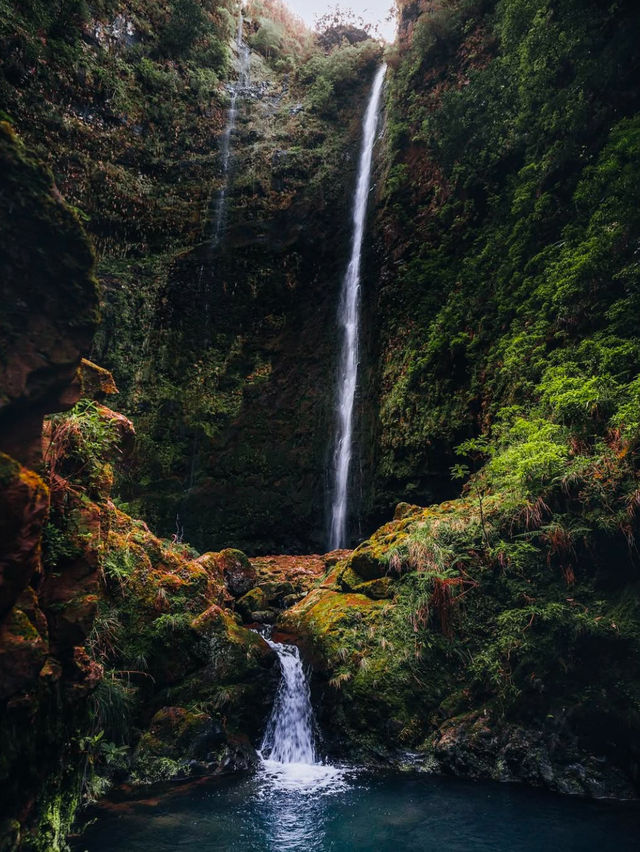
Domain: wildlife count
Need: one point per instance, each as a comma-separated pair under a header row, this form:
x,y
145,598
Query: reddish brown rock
x,y
22,653
87,674
24,502
217,590
97,383
303,572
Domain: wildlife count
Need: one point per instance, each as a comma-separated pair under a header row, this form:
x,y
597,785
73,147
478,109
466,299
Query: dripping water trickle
x,y
349,321
237,89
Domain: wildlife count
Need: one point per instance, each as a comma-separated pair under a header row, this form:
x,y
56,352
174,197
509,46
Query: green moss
x,y
521,210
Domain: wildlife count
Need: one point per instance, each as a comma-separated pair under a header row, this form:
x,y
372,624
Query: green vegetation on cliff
x,y
509,211
498,634
127,103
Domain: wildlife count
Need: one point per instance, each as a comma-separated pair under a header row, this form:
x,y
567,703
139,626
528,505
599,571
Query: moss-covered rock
x,y
254,600
382,587
25,503
238,572
179,742
482,648
49,298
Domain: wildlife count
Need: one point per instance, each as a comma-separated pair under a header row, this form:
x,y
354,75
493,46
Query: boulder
x,y
239,574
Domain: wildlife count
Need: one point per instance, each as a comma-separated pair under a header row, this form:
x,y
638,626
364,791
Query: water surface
x,y
287,808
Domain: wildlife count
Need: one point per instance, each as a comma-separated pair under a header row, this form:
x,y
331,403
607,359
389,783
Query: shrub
x,y
188,22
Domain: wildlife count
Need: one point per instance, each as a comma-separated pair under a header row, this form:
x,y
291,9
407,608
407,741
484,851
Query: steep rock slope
x,y
497,634
50,299
236,446
119,654
221,353
507,230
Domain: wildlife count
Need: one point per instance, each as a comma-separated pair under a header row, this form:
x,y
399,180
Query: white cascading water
x,y
288,752
237,89
349,320
289,734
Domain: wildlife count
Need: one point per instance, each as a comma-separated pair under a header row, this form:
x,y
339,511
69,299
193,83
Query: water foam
x,y
289,758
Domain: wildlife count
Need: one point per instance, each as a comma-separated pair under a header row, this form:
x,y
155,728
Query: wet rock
x,y
283,589
239,574
479,746
256,599
266,616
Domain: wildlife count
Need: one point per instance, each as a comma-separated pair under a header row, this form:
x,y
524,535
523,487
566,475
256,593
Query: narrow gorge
x,y
319,426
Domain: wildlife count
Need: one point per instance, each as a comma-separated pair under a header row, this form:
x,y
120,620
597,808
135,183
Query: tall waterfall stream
x,y
349,320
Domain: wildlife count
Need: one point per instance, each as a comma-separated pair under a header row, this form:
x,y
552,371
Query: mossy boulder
x,y
367,561
406,510
468,638
380,588
23,651
264,616
233,652
370,560
254,600
178,741
239,574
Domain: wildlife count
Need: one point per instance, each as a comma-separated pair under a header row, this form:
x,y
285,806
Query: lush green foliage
x,y
511,206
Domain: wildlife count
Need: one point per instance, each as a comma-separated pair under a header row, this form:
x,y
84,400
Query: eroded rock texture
x,y
49,301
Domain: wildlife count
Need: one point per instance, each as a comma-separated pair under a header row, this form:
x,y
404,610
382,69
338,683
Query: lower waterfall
x,y
288,750
289,734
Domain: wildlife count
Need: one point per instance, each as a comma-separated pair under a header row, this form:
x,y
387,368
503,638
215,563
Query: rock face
x,y
49,299
222,357
480,746
238,572
104,628
429,640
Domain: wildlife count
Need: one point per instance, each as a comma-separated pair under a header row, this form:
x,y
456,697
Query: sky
x,y
373,11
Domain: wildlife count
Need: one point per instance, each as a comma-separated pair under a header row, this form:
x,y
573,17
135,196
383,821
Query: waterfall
x,y
289,734
289,760
237,88
349,321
